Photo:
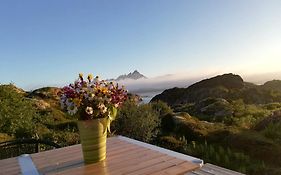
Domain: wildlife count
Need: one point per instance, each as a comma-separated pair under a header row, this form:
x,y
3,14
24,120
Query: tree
x,y
16,113
140,122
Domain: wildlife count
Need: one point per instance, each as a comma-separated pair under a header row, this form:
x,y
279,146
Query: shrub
x,y
16,113
161,108
225,157
170,142
138,122
5,137
273,131
272,106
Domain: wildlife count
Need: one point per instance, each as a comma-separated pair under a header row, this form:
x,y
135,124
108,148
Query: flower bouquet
x,y
95,103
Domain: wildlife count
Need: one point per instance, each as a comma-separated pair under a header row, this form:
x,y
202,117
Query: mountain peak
x,y
134,76
229,81
220,86
136,72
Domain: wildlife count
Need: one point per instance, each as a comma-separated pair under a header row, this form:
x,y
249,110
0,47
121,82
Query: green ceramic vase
x,y
93,135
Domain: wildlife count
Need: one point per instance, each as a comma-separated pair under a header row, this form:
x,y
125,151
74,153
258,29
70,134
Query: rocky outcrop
x,y
275,117
133,76
228,86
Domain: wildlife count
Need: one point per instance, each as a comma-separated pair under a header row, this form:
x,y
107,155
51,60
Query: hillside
x,y
219,118
223,120
35,114
227,86
274,85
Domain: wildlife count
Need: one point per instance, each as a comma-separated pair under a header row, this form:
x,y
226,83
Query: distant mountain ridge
x,y
133,76
226,86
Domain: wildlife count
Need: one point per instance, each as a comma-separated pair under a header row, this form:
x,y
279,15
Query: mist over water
x,y
148,88
147,96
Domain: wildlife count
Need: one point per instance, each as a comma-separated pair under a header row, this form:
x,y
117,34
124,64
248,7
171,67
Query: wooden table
x,y
124,156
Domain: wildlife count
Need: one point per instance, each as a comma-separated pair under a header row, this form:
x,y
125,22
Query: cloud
x,y
261,78
161,83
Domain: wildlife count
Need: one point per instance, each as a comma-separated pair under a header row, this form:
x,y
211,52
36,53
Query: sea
x,y
147,96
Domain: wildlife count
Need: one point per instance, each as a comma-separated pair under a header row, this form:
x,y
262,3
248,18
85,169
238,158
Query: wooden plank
x,y
163,150
79,159
67,158
61,167
157,167
124,149
113,163
9,166
128,158
83,170
202,172
217,169
98,168
179,169
113,168
124,156
8,161
135,165
210,169
63,153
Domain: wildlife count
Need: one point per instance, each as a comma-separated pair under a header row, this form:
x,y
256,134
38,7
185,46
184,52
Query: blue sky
x,y
50,42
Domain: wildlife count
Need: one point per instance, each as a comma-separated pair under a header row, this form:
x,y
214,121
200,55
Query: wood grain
x,y
122,158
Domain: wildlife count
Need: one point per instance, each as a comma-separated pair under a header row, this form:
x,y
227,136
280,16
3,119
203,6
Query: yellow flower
x,y
90,77
76,101
80,75
104,90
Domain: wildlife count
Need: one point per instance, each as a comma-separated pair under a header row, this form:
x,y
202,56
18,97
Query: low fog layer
x,y
262,78
159,83
173,80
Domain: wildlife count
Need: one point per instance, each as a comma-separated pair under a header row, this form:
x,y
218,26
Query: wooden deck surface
x,y
123,157
209,169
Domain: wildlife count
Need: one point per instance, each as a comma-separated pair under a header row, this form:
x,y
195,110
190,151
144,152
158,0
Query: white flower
x,y
101,105
69,103
77,81
102,108
89,110
116,105
72,110
96,80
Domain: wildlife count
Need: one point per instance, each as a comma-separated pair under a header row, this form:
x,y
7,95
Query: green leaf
x,y
113,113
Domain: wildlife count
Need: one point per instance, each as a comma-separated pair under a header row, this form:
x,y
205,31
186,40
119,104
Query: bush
x,y
161,108
138,122
170,142
225,157
247,115
16,113
273,132
272,106
5,137
67,125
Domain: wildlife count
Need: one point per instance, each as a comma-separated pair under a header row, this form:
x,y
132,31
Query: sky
x,y
45,43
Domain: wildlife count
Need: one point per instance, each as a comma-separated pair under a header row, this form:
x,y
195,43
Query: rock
x,y
275,117
133,76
